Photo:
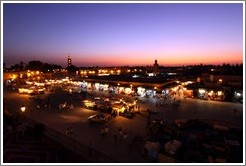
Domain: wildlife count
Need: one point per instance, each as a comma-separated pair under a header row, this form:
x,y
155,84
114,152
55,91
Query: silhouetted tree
x,y
34,65
50,67
15,67
22,67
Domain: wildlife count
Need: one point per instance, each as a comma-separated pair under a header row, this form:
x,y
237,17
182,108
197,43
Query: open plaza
x,y
109,126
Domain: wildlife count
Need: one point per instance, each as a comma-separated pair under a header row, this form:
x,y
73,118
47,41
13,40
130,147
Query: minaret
x,y
155,68
69,60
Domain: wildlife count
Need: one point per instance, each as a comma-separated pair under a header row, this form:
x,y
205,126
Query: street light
x,y
23,109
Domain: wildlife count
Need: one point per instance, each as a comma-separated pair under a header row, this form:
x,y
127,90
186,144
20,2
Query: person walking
x,y
91,148
148,120
121,136
48,102
103,131
125,135
71,107
69,131
106,130
115,137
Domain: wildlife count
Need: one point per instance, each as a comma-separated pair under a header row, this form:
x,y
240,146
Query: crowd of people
x,y
118,136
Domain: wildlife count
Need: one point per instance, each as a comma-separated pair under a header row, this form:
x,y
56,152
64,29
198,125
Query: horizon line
x,y
144,65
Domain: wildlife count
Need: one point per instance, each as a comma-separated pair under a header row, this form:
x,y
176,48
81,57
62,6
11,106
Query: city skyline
x,y
123,34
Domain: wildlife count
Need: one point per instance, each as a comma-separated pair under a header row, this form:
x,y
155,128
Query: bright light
x,y
128,91
23,109
174,88
210,93
220,80
238,94
103,74
171,73
151,74
39,84
219,93
29,83
24,90
14,76
89,103
202,91
28,74
135,76
141,91
188,82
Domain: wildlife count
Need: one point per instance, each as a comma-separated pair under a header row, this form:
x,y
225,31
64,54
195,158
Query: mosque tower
x,y
155,68
69,60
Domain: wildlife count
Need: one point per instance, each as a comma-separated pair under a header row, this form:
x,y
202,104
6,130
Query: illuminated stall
x,y
187,93
128,91
89,103
121,90
83,84
211,94
202,93
89,86
25,90
141,91
118,108
150,93
97,86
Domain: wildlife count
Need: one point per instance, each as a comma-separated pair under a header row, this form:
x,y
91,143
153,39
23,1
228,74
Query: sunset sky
x,y
123,34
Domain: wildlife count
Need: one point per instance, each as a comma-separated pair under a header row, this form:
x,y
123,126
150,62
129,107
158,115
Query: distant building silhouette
x,y
69,60
155,68
4,66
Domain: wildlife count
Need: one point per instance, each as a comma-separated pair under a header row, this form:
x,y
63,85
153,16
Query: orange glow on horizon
x,y
165,60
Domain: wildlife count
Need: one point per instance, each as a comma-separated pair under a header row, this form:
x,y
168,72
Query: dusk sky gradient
x,y
123,34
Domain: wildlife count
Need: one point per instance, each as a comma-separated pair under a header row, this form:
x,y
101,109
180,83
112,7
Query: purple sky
x,y
123,34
